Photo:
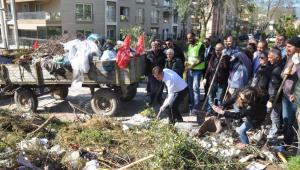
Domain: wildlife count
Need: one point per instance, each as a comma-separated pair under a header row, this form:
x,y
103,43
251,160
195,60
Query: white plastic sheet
x,y
80,54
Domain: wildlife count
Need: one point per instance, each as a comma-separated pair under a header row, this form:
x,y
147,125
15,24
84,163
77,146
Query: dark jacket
x,y
178,53
176,65
261,78
297,87
275,80
153,60
255,113
223,72
290,83
211,52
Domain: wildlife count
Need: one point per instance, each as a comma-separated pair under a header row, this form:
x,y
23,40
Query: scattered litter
x,y
72,158
22,160
32,144
185,127
57,149
271,157
91,165
256,166
135,120
43,141
246,158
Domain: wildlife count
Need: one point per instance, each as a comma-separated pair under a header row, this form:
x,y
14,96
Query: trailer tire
x,y
26,100
105,102
59,92
130,92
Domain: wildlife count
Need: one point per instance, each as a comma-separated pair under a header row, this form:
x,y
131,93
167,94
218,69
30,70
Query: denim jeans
x,y
242,131
288,116
217,92
275,118
193,81
298,151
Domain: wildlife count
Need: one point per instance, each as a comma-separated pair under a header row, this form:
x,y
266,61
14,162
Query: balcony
x,y
33,20
28,1
42,15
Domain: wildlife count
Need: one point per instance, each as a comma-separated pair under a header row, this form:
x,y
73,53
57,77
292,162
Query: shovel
x,y
201,115
212,124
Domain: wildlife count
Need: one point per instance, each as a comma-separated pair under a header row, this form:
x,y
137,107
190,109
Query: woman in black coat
x,y
250,106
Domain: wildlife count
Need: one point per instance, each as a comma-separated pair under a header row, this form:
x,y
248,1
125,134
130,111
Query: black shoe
x,y
179,120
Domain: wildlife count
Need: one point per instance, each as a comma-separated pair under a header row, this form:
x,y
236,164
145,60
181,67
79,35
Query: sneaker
x,y
179,120
272,136
194,112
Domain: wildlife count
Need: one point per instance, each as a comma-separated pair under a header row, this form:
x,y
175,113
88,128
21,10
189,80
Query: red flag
x,y
36,44
140,46
123,55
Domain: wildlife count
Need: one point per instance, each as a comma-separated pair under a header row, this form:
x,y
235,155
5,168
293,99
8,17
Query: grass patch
x,y
294,163
172,150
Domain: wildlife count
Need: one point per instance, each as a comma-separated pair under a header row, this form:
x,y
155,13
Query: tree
x,y
238,12
267,9
204,9
183,9
135,32
285,26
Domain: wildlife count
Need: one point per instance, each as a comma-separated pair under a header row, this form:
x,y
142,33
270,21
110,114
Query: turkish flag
x,y
140,46
36,44
123,55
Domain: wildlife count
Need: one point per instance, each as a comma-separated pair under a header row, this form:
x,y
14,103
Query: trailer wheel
x,y
105,102
26,100
59,92
129,92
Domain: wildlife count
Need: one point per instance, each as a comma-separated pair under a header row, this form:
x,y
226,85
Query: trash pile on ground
x,y
103,143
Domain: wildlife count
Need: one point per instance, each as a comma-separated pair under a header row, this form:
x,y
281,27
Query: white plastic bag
x,y
108,55
80,62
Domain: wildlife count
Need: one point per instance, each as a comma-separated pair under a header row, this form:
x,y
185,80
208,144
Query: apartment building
x,y
45,18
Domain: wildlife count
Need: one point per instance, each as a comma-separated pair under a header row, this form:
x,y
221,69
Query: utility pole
x,y
4,41
14,17
4,28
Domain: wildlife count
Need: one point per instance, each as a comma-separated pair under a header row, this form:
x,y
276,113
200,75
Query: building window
x,y
175,17
84,12
86,33
154,32
38,7
167,3
139,16
124,13
166,16
140,1
154,17
111,32
111,12
155,2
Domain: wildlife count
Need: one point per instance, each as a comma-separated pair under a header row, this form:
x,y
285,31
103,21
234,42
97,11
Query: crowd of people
x,y
259,82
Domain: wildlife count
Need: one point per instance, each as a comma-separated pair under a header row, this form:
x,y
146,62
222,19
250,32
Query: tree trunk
x,y
203,33
183,30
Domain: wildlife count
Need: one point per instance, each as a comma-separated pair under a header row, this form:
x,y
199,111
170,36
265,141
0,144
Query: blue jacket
x,y
241,69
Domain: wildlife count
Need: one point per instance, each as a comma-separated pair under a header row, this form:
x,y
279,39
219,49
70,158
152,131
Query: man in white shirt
x,y
177,90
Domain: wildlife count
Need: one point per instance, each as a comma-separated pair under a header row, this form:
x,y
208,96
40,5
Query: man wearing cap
x,y
288,100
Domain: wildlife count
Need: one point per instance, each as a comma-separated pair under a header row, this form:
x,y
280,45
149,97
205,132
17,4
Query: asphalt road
x,y
62,109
